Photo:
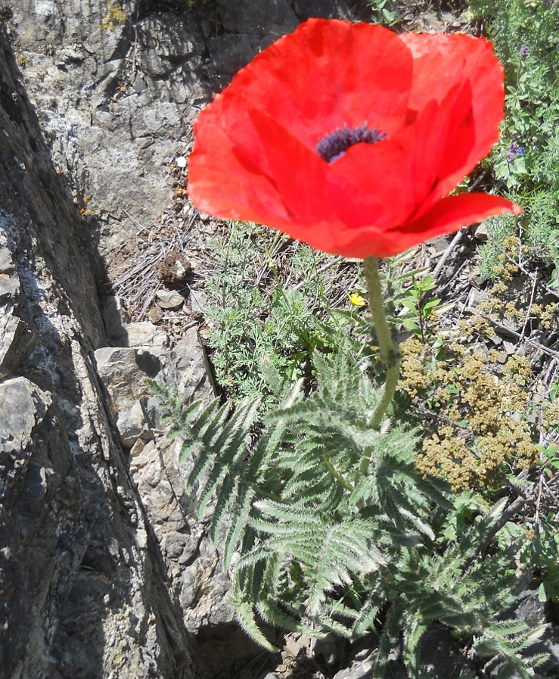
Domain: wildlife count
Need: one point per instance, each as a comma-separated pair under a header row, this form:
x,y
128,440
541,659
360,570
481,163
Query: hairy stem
x,y
388,348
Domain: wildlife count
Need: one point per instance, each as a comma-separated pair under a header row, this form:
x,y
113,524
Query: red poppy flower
x,y
349,137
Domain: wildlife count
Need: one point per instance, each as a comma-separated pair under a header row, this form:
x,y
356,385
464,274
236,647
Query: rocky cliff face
x,y
104,572
117,84
82,583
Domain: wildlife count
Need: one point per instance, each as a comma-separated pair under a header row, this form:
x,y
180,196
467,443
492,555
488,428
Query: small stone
x,y
139,460
130,425
146,334
115,317
155,314
497,341
330,647
180,161
22,406
198,301
123,372
439,244
170,299
139,85
481,233
11,331
509,347
475,297
476,279
138,447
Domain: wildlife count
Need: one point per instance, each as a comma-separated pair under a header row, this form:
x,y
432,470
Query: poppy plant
x,y
350,138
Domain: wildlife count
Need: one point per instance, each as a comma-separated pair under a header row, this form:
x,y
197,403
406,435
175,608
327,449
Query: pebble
x,y
170,299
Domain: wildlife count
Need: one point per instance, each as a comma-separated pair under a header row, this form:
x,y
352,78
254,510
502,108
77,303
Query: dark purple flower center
x,y
335,144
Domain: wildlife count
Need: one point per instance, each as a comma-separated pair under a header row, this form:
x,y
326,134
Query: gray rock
x,y
358,670
83,590
232,52
325,9
123,377
170,299
187,369
132,425
146,335
9,289
330,648
22,406
261,18
12,345
6,263
198,301
166,41
481,234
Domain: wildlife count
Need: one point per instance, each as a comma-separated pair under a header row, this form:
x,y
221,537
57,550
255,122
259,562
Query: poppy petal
x,y
440,61
329,73
298,172
436,101
221,182
370,184
449,215
440,127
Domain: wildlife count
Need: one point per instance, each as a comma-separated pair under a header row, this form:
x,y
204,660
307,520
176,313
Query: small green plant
x,y
419,309
323,546
263,331
384,11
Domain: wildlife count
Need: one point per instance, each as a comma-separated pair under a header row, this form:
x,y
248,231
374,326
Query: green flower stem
x,y
388,348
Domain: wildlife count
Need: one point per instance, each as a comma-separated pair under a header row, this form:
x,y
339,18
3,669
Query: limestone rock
x,y
262,18
124,378
146,335
198,301
170,299
6,263
12,344
83,590
187,368
325,9
22,406
132,425
9,288
155,314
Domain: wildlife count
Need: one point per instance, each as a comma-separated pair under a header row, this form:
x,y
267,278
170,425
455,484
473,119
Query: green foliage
x,y
490,253
384,12
526,35
322,546
262,341
420,309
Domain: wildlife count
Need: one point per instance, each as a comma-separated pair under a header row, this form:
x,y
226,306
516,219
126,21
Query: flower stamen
x,y
332,146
